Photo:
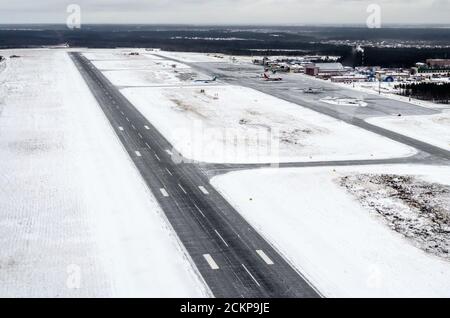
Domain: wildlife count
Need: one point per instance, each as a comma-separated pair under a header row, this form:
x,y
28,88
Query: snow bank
x,y
432,129
76,218
224,123
344,249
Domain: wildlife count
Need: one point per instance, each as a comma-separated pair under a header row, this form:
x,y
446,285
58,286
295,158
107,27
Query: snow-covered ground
x,y
225,123
189,57
76,218
345,249
351,102
388,91
432,129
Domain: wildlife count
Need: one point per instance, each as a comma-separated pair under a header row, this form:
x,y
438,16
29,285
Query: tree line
x,y
436,92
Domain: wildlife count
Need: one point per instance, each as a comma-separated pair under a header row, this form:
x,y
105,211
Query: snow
x,y
387,91
189,57
351,102
130,63
344,249
432,129
77,220
154,77
235,124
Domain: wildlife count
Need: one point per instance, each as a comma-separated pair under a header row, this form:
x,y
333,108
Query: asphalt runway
x,y
233,259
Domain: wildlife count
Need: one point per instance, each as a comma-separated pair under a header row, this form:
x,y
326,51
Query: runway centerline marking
x,y
254,279
182,189
138,153
211,261
120,128
220,236
169,172
203,189
164,192
146,127
148,146
156,156
264,257
200,211
140,136
133,126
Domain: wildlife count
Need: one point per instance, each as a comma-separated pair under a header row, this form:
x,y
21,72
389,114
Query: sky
x,y
226,11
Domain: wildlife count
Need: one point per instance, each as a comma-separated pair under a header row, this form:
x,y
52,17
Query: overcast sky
x,y
225,11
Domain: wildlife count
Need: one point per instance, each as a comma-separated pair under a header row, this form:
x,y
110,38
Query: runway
x,y
233,259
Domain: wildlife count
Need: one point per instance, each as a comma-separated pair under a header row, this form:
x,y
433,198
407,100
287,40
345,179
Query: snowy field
x,y
189,57
432,129
225,123
344,247
153,77
140,64
387,91
76,219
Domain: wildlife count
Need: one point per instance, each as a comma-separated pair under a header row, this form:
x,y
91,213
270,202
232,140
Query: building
x,y
437,63
325,70
311,70
349,78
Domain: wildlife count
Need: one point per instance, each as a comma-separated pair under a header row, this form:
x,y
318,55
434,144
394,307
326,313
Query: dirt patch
x,y
183,106
417,209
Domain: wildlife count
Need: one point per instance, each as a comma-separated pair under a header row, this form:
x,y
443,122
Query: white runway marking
x,y
169,152
182,189
254,279
148,146
121,128
220,236
146,127
133,126
139,134
169,172
264,257
128,120
164,192
211,261
198,209
202,188
156,156
138,154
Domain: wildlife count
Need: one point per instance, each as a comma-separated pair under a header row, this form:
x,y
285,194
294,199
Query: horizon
x,y
226,12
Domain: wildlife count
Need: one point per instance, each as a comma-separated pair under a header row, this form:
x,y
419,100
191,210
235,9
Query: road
x,y
233,259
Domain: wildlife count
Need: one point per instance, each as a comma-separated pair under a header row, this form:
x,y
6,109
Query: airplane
x,y
271,79
206,81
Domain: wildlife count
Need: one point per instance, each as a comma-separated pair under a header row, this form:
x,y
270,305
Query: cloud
x,y
225,11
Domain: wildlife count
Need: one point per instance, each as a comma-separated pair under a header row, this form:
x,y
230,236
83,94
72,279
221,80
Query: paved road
x,y
292,91
233,259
